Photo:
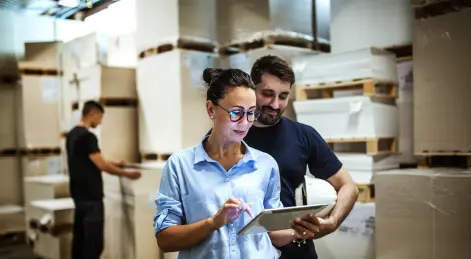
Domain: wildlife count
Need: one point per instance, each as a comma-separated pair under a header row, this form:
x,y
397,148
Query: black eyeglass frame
x,y
244,113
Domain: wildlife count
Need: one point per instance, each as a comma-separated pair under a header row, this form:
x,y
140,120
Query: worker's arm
x,y
324,164
98,159
91,147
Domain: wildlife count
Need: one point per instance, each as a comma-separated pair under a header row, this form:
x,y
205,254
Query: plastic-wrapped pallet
x,y
165,21
172,100
242,20
349,117
362,167
37,165
423,213
46,187
357,64
357,24
356,236
442,122
296,16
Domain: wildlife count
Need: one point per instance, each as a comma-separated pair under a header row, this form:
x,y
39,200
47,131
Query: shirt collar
x,y
202,155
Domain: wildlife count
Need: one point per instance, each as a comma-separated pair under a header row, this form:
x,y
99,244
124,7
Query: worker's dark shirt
x,y
86,183
295,146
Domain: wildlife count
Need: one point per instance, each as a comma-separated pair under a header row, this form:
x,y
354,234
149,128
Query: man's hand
x,y
314,227
133,174
119,163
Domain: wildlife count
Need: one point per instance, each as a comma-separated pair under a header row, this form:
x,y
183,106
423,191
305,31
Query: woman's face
x,y
230,114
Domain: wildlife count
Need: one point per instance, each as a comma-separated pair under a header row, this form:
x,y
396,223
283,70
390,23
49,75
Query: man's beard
x,y
269,119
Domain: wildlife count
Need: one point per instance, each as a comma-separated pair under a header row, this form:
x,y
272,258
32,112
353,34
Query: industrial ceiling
x,y
62,9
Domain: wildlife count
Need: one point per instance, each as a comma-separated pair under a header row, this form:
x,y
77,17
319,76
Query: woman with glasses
x,y
210,191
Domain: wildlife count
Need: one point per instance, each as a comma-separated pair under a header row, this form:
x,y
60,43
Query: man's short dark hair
x,y
274,66
92,105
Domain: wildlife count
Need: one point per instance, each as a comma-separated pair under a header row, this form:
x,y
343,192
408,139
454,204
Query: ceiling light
x,y
68,3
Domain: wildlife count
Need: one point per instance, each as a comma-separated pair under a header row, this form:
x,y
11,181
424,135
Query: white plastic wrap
x,y
363,63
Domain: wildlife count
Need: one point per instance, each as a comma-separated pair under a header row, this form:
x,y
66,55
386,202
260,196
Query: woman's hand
x,y
229,211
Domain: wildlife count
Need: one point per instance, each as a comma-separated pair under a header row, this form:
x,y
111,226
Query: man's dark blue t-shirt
x,y
295,146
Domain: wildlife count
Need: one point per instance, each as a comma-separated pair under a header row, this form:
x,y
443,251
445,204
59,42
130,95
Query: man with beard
x,y
296,146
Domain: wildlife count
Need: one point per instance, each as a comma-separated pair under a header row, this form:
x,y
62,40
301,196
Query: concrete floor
x,y
14,246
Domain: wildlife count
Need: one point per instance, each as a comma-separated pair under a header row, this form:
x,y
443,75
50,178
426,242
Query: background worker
x,y
86,163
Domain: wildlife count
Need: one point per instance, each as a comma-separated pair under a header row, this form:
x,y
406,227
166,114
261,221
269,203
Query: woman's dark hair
x,y
220,81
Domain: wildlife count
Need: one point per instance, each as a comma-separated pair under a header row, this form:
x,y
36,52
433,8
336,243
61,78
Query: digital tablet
x,y
279,219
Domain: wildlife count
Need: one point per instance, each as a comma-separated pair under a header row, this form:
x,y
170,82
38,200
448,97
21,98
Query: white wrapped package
x,y
357,64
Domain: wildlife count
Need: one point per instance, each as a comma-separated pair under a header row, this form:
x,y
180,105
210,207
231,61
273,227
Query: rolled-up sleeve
x,y
169,207
272,196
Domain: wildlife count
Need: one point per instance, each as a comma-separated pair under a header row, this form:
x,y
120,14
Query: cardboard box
x,y
349,117
53,247
129,205
8,104
11,189
442,121
11,219
45,187
42,55
423,213
346,66
33,165
355,236
357,24
164,21
52,213
38,112
102,82
172,100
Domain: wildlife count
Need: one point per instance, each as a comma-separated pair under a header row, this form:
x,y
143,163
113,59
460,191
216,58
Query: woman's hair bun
x,y
209,74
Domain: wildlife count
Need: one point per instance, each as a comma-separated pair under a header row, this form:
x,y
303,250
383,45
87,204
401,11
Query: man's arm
x,y
347,195
98,159
94,153
324,164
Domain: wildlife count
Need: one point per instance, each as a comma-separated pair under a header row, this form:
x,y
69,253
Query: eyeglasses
x,y
237,114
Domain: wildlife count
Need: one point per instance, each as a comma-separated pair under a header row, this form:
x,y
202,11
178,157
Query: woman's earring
x,y
212,117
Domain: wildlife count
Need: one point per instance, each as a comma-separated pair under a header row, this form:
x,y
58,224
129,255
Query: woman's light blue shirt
x,y
194,187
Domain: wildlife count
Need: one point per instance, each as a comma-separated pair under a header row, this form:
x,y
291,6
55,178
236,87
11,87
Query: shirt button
x,y
231,225
227,179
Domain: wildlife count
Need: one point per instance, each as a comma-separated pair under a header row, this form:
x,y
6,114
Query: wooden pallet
x,y
180,44
369,87
444,159
40,71
366,193
155,157
54,230
371,146
271,41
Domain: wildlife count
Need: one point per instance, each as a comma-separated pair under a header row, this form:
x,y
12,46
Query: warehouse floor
x,y
14,247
